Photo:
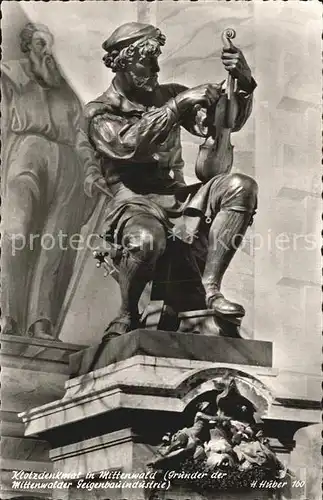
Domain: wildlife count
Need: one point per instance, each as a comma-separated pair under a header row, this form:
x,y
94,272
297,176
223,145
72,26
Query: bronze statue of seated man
x,y
135,129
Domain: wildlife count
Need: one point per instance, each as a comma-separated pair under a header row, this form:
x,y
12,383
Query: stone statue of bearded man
x,y
135,128
42,186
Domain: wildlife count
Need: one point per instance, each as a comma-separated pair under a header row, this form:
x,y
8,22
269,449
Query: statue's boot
x,y
144,242
226,233
134,274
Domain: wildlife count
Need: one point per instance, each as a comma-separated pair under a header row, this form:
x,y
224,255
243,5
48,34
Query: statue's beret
x,y
127,34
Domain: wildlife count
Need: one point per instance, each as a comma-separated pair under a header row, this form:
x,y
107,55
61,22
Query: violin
x,y
216,153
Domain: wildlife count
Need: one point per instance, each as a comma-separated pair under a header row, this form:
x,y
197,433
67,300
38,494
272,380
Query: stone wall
x,y
288,134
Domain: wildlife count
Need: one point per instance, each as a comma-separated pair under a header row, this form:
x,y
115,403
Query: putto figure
x,y
42,186
135,128
227,434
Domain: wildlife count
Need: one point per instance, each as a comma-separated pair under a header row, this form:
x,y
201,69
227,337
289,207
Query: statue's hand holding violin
x,y
235,63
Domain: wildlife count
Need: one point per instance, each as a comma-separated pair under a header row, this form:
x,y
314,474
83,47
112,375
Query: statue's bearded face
x,y
144,68
42,60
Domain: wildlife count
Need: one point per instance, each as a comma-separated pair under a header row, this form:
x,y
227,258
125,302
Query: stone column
x,y
191,57
33,372
306,461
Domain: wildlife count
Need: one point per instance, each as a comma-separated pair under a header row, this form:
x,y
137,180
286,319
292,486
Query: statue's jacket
x,y
139,147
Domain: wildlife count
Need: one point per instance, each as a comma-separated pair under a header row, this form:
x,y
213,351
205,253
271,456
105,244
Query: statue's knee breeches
x,y
144,237
234,192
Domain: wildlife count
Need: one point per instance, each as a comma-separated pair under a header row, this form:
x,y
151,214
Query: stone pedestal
x,y
33,372
145,384
172,345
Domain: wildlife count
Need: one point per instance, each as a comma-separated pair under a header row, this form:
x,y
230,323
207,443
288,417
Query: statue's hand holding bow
x,y
202,95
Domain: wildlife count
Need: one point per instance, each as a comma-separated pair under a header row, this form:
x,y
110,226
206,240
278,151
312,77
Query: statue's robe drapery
x,y
42,189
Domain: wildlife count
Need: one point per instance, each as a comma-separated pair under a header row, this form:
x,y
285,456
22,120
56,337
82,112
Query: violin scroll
x,y
227,35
